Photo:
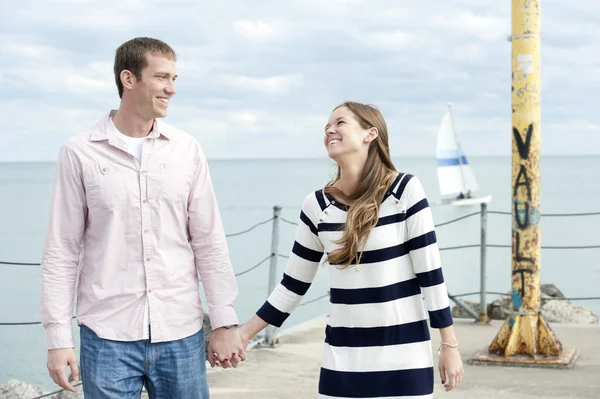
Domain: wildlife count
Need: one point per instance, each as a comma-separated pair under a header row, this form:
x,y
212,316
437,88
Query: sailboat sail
x,y
455,175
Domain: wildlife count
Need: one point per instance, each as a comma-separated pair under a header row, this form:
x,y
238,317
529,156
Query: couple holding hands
x,y
134,222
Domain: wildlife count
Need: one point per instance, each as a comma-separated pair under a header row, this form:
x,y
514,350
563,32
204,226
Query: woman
x,y
377,232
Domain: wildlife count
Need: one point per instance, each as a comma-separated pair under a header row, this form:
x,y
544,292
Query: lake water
x,y
247,190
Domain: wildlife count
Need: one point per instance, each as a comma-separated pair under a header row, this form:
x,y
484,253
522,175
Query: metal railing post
x,y
271,330
483,316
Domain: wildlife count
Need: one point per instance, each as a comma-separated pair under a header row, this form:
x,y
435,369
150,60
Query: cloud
x,y
246,118
395,40
65,80
482,27
260,79
271,84
96,15
261,31
32,52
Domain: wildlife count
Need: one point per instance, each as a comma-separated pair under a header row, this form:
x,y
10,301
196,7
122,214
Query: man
x,y
135,214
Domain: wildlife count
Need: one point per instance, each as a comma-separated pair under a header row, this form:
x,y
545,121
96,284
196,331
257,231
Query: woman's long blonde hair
x,y
377,175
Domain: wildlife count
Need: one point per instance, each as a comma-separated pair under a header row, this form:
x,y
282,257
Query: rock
x,y
13,389
498,309
553,310
207,326
552,291
557,311
459,313
72,395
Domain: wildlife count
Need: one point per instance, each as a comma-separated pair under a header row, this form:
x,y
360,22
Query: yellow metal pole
x,y
526,331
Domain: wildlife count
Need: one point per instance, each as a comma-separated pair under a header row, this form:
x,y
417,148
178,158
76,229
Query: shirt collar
x,y
102,131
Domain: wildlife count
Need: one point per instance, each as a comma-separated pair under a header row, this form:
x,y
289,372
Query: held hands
x,y
450,367
58,360
226,348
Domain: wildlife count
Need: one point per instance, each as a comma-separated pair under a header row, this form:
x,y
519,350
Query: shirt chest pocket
x,y
105,186
170,181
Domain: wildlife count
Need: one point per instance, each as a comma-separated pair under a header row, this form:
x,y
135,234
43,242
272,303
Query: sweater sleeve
x,y
300,269
425,255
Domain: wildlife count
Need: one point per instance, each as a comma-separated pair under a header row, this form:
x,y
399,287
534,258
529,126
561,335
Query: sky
x,y
258,79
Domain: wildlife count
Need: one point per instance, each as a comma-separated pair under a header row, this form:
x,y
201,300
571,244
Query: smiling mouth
x,y
163,100
334,141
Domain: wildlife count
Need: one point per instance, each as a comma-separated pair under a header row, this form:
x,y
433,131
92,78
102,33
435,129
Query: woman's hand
x,y
451,367
244,333
245,336
226,347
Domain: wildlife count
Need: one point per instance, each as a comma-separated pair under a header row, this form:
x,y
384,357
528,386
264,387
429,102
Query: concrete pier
x,y
291,370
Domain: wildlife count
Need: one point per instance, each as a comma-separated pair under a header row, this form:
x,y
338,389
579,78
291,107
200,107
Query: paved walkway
x,y
291,370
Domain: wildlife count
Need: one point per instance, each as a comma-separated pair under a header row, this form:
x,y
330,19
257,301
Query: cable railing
x,y
436,226
274,255
47,395
226,235
270,256
591,298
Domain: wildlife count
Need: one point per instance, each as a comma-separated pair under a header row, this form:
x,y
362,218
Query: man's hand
x,y
58,360
226,348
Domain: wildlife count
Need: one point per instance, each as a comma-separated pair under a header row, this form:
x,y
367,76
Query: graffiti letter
x,y
518,256
522,225
525,182
523,147
522,273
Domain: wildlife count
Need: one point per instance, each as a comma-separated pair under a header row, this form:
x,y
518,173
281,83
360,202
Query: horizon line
x,y
325,158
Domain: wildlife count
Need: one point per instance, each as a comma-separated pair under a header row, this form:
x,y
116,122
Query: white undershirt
x,y
134,147
134,144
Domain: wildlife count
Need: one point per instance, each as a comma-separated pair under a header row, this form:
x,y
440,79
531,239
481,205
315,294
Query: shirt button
x,y
146,230
333,202
103,170
147,259
145,201
149,291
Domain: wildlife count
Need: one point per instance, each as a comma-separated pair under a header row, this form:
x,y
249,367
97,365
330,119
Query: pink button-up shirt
x,y
134,231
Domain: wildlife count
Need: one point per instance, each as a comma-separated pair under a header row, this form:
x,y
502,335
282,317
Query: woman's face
x,y
344,136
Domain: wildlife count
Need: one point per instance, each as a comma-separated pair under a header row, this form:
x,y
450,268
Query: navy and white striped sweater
x,y
377,341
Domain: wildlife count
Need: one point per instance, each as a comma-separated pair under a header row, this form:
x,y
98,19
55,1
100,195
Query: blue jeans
x,y
115,369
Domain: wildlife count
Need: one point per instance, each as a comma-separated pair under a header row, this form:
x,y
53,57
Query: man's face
x,y
154,90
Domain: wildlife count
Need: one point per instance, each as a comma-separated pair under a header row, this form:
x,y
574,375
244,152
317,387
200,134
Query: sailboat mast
x,y
458,148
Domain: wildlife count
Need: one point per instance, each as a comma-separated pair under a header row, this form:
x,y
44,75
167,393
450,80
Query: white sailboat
x,y
455,177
